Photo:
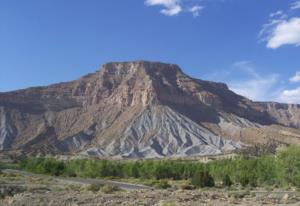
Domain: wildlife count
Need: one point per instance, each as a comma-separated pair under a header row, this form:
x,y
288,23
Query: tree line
x,y
283,168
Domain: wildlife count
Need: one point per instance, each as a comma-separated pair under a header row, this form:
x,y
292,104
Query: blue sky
x,y
252,45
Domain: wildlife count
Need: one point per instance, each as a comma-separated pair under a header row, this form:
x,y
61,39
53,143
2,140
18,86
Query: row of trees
x,y
147,169
282,168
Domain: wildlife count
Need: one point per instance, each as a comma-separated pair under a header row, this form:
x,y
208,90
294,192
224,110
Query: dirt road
x,y
84,181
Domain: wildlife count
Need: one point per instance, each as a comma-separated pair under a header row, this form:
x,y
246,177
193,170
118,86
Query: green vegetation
x,y
161,184
227,181
280,169
290,164
203,179
94,187
109,188
7,165
49,166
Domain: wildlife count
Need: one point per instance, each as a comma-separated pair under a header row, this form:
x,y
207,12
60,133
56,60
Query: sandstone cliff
x,y
140,109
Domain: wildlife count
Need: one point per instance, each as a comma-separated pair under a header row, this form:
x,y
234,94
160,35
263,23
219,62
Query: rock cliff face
x,y
140,109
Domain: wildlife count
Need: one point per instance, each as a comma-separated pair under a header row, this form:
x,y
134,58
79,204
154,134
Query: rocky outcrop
x,y
7,130
284,114
139,109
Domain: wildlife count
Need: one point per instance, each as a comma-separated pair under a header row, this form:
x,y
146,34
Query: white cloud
x,y
282,29
295,5
195,10
290,96
284,33
172,7
244,79
281,32
295,78
171,11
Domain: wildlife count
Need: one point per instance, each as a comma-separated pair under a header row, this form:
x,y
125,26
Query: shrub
x,y
227,181
244,181
203,179
94,187
289,160
259,150
109,188
162,184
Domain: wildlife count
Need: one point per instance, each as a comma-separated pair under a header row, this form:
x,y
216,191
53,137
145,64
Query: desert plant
x,y
109,188
162,184
227,181
94,187
258,150
289,161
203,179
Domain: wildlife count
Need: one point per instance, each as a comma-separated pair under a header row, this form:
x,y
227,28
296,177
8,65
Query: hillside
x,y
140,110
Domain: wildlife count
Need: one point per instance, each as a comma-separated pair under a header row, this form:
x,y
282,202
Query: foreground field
x,y
34,190
149,198
268,179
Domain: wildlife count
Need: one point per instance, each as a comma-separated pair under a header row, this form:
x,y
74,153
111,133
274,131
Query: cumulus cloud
x,y
290,96
174,7
171,7
296,77
285,32
282,29
295,5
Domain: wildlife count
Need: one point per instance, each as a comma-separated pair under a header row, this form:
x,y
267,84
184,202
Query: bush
x,y
259,150
244,181
203,179
109,188
227,181
162,184
94,187
289,160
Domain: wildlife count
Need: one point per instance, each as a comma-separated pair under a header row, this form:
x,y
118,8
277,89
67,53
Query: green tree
x,y
289,160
